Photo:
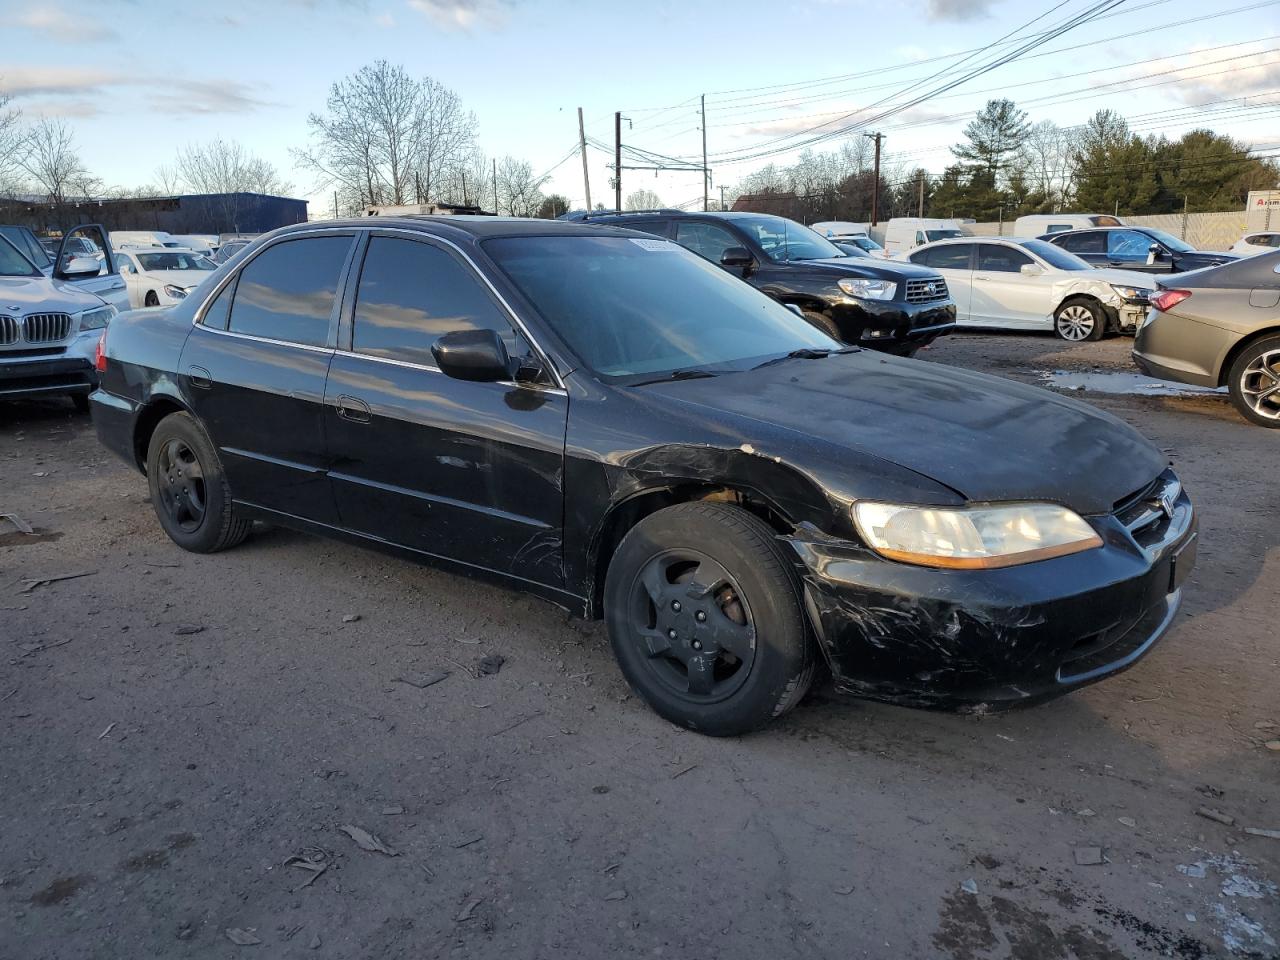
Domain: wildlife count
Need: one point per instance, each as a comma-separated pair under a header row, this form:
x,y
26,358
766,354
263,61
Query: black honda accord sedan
x,y
612,423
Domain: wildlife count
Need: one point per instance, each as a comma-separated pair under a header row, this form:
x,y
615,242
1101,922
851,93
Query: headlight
x,y
869,289
972,538
1132,293
97,318
178,293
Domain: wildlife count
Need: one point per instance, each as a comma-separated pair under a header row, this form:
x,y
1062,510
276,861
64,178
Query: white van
x,y
142,238
849,232
204,243
906,233
1039,224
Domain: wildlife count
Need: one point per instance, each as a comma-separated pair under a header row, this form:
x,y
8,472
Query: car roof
x,y
475,227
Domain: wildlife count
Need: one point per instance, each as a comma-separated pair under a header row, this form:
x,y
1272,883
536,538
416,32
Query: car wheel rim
x,y
1260,385
1075,322
693,626
182,487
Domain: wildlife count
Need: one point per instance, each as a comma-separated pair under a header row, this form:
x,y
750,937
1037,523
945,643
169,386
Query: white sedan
x,y
159,276
1266,241
1032,285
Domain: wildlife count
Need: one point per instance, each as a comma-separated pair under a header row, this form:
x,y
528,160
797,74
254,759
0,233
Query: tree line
x,y
1006,166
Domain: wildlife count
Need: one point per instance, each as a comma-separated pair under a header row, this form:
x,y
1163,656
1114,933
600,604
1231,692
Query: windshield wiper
x,y
692,373
804,353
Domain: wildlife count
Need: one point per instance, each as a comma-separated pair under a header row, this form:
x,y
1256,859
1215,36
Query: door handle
x,y
200,377
353,409
982,278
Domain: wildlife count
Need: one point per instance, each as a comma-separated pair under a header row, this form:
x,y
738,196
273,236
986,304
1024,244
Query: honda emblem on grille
x,y
1165,502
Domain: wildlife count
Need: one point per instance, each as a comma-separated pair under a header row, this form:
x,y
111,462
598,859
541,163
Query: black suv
x,y
1136,248
894,307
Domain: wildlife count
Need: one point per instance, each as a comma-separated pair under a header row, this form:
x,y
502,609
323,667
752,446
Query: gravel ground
x,y
177,727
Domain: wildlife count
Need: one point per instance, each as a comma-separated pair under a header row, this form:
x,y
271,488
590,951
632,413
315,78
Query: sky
x,y
139,79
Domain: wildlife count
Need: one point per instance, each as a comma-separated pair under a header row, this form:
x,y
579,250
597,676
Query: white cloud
x,y
61,25
1255,74
959,10
85,92
464,14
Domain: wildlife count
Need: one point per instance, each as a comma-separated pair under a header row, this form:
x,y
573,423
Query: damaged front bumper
x,y
982,640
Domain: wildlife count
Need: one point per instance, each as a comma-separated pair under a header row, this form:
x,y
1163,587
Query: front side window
x,y
288,291
13,263
635,308
411,293
785,241
949,256
124,264
24,241
707,240
1089,242
1128,245
1001,259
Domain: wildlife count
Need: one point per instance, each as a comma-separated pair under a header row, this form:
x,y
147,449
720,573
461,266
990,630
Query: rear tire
x,y
1252,378
704,614
1080,320
189,489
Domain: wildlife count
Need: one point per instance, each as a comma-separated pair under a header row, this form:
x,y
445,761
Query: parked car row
x,y
619,424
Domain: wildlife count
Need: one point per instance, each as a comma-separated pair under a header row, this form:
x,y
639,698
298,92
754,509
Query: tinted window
x,y
13,263
25,241
1088,242
1128,245
656,227
410,293
216,316
124,264
287,292
1056,256
705,239
1001,259
950,256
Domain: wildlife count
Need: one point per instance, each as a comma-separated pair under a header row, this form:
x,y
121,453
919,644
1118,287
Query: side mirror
x,y
78,268
795,309
1031,270
1155,253
477,355
736,257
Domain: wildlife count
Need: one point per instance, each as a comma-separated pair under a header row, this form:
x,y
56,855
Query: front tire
x,y
1254,382
703,612
189,489
825,324
1081,320
151,299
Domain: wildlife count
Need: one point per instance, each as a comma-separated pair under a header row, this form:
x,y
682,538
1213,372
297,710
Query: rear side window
x,y
1089,242
656,227
288,291
216,316
951,256
706,239
999,259
411,292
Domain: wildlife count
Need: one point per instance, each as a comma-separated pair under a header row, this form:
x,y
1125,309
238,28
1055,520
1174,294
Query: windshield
x,y
785,241
932,235
13,263
632,308
1170,241
866,243
27,245
1055,256
174,261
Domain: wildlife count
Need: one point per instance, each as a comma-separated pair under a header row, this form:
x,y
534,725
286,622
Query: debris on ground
x,y
1127,821
1272,745
490,664
468,909
681,773
969,886
844,891
366,840
1089,856
423,681
392,810
467,843
111,726
32,584
315,943
616,895
351,618
242,938
315,860
188,630
1259,832
511,726
21,525
1086,812
1217,816
1193,870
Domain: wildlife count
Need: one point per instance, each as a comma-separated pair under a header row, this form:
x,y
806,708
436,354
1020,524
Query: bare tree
x,y
468,180
168,180
12,145
52,161
1050,161
519,192
643,200
387,138
225,171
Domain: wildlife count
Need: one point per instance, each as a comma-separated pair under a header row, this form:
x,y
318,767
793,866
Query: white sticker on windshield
x,y
659,246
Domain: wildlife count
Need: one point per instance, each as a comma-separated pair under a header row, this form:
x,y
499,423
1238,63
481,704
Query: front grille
x,y
46,327
926,291
1148,513
8,331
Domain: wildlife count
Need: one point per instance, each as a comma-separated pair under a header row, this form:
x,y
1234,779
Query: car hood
x,y
1125,278
868,267
986,438
180,278
21,295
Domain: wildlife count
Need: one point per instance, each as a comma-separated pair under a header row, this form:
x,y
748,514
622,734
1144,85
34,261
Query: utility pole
x,y
582,145
921,213
875,186
495,187
335,204
706,179
617,160
465,200
722,197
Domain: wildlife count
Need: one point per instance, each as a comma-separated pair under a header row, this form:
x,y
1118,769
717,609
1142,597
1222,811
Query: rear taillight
x,y
100,354
1166,300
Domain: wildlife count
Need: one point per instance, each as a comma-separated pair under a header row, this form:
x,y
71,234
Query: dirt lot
x,y
176,727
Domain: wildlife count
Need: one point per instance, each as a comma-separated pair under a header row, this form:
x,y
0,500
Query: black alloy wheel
x,y
182,488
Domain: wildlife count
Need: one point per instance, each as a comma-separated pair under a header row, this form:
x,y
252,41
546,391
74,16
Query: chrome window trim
x,y
283,343
431,368
198,316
